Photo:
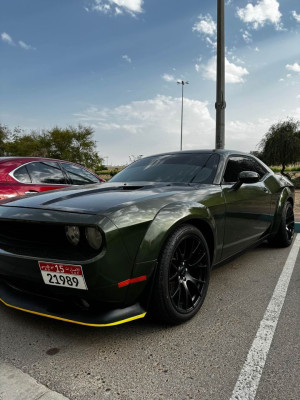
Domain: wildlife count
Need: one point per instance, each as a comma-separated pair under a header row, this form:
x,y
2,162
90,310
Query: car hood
x,y
99,199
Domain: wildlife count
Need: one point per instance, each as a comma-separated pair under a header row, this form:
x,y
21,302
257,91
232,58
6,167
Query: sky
x,y
114,65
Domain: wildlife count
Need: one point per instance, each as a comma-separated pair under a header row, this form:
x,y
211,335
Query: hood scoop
x,y
131,187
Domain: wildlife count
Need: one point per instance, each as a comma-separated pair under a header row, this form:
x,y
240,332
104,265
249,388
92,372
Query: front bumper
x,y
60,310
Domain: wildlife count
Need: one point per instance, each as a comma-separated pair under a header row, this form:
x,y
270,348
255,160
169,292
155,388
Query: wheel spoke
x,y
194,281
198,261
188,296
182,250
179,295
174,276
176,291
196,248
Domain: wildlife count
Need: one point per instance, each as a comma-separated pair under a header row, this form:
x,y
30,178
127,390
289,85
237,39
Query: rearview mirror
x,y
246,177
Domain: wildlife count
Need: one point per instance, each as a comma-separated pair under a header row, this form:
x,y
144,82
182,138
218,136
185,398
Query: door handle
x,y
31,192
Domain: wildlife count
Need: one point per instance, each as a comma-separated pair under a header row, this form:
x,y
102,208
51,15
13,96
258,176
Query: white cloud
x,y
168,78
294,67
296,16
25,46
263,12
127,58
212,43
117,7
206,25
7,38
245,136
233,73
298,97
247,36
150,126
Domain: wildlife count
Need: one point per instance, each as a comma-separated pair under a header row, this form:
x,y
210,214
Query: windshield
x,y
179,168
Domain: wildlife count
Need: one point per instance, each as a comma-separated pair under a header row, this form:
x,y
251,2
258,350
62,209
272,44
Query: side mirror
x,y
246,177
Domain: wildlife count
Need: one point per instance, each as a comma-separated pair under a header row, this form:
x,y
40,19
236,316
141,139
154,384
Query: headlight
x,y
73,234
94,237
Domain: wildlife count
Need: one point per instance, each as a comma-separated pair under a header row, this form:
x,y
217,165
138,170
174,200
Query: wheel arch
x,y
168,220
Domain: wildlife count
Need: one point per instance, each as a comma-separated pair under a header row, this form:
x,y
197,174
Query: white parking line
x,y
16,385
248,381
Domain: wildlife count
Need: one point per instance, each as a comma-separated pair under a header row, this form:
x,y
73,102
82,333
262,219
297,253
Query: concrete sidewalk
x,y
16,385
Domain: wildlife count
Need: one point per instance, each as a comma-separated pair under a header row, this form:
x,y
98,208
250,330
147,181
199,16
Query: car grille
x,y
42,241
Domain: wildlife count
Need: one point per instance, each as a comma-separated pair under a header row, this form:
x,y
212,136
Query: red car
x,y
29,175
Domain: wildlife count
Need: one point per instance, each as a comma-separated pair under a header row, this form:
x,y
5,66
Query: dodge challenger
x,y
144,242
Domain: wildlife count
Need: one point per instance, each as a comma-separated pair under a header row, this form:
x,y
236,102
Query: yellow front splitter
x,y
103,319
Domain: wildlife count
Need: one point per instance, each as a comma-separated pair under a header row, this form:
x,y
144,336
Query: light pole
x,y
220,103
182,83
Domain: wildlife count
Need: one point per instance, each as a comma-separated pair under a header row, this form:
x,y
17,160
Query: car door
x,y
39,176
248,208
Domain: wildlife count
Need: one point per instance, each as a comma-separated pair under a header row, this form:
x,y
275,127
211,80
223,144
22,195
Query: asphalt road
x,y
201,359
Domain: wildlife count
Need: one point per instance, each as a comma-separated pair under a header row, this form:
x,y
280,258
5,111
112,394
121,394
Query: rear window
x,y
78,175
21,175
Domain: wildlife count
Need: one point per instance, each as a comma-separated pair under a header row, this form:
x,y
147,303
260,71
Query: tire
x,y
285,233
182,277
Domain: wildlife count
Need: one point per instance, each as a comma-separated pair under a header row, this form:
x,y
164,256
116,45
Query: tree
x,y
74,144
27,145
281,144
5,135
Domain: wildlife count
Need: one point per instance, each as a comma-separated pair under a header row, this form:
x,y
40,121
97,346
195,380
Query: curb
x,y
16,385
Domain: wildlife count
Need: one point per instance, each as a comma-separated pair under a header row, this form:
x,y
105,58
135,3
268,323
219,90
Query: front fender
x,y
165,221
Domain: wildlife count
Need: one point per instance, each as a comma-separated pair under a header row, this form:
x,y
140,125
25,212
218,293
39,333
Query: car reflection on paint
x,y
144,242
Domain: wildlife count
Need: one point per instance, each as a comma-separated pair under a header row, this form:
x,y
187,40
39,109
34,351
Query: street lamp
x,y
220,103
182,83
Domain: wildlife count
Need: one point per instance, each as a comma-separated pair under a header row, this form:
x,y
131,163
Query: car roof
x,y
203,151
19,158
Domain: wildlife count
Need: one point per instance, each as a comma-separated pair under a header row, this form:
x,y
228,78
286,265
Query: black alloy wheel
x,y
183,275
289,222
285,233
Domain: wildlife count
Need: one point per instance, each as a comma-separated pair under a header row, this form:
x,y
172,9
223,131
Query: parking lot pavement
x,y
201,359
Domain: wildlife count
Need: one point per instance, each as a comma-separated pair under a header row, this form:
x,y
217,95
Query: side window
x,y
21,175
235,165
79,176
47,172
259,168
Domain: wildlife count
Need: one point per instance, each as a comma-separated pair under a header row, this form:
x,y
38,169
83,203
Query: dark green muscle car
x,y
144,242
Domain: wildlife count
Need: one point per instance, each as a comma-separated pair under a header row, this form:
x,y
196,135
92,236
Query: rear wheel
x,y
183,276
285,234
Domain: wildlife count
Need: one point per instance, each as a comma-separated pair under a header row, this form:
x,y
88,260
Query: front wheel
x,y
183,276
285,233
